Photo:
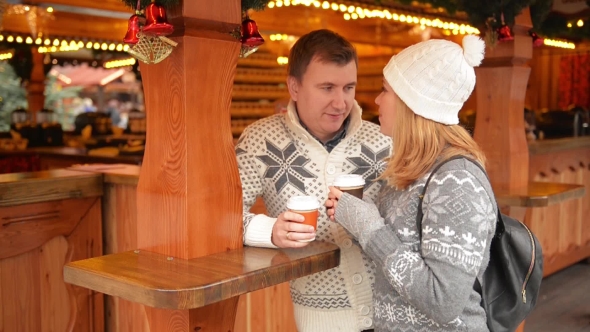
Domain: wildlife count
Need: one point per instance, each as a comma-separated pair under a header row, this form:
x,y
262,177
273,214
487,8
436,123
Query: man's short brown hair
x,y
326,45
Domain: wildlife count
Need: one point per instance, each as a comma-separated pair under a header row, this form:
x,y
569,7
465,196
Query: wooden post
x,y
189,195
36,85
499,128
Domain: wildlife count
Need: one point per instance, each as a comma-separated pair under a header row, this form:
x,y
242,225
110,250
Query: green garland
x,y
246,4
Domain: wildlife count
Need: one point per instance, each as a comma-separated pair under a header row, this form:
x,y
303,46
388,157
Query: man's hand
x,y
288,231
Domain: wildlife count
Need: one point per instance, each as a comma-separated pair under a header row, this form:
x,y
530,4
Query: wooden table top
x,y
34,187
161,282
540,194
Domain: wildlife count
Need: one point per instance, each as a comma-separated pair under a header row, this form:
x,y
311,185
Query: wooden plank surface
x,y
158,281
34,187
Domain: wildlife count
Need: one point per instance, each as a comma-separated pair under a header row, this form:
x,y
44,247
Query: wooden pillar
x,y
499,128
189,195
36,85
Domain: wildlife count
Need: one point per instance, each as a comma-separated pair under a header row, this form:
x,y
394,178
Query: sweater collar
x,y
293,122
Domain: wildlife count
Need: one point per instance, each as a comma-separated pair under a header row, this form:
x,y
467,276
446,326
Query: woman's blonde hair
x,y
418,143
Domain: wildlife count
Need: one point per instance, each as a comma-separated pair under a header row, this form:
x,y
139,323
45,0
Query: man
x,y
301,152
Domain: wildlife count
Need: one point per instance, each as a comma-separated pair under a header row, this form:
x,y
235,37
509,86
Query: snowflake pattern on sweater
x,y
426,284
278,159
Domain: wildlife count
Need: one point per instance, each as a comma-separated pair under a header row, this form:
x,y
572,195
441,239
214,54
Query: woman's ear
x,y
293,86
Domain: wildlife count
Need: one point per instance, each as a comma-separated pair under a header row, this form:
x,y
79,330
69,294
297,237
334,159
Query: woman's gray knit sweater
x,y
426,284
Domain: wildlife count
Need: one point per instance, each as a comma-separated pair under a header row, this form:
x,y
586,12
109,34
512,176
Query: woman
x,y
426,268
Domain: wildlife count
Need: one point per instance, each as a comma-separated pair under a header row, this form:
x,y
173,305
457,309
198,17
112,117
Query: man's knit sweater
x,y
277,159
427,284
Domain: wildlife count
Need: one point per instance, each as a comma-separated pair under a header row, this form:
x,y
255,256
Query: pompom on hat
x,y
435,77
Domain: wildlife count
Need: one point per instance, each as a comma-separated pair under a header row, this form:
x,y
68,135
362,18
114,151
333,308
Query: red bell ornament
x,y
156,23
537,41
250,35
504,33
132,31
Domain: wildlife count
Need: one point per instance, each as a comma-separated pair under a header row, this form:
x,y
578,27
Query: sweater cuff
x,y
382,244
259,232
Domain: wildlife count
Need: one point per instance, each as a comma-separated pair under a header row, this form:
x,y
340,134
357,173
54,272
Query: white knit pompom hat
x,y
434,78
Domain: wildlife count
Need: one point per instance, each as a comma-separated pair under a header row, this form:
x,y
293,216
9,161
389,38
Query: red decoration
x,y
504,33
132,31
250,35
537,41
156,23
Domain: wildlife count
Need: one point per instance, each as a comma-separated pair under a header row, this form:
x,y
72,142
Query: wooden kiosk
x,y
190,265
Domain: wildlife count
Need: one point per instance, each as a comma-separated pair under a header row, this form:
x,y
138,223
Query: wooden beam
x,y
114,5
299,20
376,35
72,25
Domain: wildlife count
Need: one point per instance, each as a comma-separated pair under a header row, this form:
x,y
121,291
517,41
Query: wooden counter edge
x,y
131,283
541,194
122,174
559,144
39,190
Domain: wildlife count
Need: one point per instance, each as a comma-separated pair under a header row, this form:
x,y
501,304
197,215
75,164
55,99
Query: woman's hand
x,y
332,202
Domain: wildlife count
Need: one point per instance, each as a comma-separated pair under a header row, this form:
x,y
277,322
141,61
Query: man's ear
x,y
293,86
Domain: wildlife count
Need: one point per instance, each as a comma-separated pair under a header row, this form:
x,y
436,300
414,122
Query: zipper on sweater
x,y
532,266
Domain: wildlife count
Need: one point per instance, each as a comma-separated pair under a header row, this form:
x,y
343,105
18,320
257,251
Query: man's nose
x,y
339,101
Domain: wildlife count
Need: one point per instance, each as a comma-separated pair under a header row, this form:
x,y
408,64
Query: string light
x,y
352,12
5,56
559,43
63,45
580,23
119,63
282,60
280,37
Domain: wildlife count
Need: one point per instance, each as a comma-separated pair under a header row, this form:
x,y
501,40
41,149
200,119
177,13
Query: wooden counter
x,y
164,282
63,157
563,229
25,188
558,145
541,194
268,309
48,219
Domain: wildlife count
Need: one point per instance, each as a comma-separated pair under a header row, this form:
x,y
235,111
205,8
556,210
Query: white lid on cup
x,y
349,180
303,203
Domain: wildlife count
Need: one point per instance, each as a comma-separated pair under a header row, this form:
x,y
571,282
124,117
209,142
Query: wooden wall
x,y
542,88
